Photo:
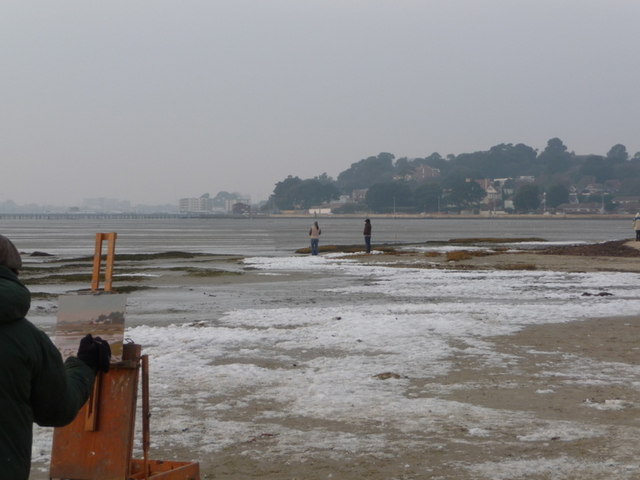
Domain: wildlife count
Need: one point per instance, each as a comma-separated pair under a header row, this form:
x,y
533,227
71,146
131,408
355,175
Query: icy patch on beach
x,y
557,468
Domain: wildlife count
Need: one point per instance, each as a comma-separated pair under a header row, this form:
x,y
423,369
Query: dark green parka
x,y
35,385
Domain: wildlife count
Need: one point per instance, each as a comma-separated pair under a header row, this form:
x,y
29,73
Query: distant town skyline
x,y
123,204
155,101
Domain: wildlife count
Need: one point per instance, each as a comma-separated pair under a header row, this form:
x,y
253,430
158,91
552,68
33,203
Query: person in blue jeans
x,y
367,234
314,233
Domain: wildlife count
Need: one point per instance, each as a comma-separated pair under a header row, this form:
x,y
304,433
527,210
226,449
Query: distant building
x,y
420,174
204,204
196,205
505,186
102,205
628,203
573,195
526,179
493,197
580,208
593,189
320,211
358,196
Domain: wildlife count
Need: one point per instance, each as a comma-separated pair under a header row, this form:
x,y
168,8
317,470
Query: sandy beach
x,y
575,428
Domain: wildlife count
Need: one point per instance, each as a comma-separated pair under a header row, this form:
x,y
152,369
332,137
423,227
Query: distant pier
x,y
111,216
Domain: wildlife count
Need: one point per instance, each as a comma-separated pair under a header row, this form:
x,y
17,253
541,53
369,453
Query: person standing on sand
x,y
314,233
367,234
636,226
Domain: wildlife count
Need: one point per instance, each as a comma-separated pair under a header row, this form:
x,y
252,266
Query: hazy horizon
x,y
154,101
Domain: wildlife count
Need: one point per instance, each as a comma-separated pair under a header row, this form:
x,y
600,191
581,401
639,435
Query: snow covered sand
x,y
406,373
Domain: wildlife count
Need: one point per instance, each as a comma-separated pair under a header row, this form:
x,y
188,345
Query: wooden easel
x,y
91,417
97,261
98,444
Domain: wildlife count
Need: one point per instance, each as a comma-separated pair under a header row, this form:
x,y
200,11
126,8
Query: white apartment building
x,y
195,205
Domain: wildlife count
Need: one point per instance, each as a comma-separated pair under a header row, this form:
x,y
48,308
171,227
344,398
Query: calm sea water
x,y
281,236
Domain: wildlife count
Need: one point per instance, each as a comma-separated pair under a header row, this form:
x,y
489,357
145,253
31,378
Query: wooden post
x,y
146,413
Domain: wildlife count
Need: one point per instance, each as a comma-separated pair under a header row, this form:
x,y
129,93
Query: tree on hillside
x,y
554,158
318,192
294,193
435,160
367,172
325,179
627,170
286,194
508,160
630,186
527,198
618,154
461,193
598,167
503,160
557,195
404,166
469,165
427,196
389,197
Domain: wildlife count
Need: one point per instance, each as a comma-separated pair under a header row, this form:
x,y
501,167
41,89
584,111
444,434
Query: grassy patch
x,y
43,268
75,278
458,255
134,257
132,288
60,278
466,254
208,272
350,249
517,266
495,240
44,295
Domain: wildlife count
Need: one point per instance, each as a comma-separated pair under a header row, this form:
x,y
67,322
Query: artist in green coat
x,y
35,385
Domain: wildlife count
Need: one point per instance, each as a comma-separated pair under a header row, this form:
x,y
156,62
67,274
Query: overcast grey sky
x,y
153,100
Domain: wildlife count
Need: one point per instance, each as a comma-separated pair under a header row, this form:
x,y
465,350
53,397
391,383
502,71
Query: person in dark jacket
x,y
367,234
636,226
35,384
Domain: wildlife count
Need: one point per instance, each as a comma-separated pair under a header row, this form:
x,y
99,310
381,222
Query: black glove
x,y
95,352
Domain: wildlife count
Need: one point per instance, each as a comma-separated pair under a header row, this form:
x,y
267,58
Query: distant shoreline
x,y
460,216
413,216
